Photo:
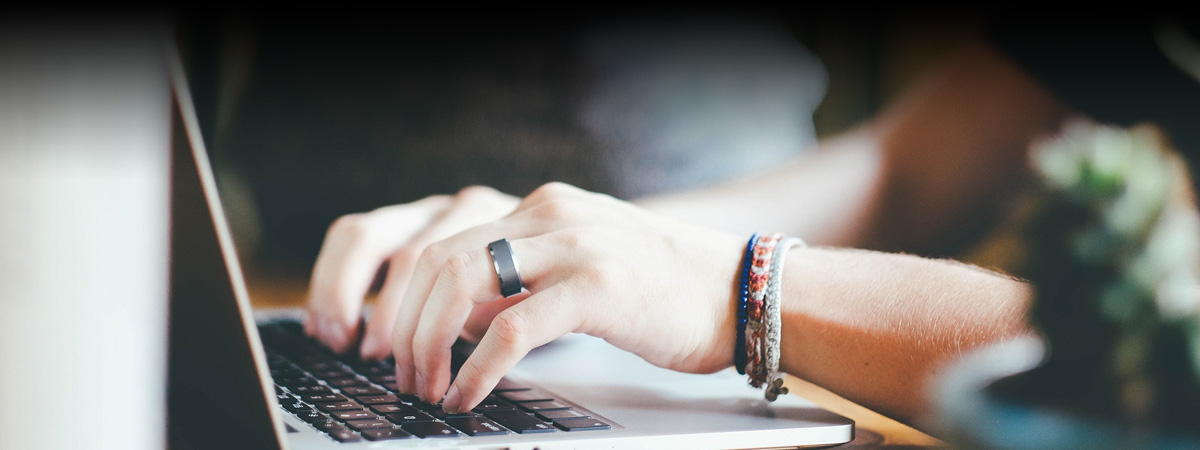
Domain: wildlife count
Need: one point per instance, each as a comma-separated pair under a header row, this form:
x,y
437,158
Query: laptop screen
x,y
218,390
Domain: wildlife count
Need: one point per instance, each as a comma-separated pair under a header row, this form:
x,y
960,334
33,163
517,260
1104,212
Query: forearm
x,y
877,328
822,196
931,173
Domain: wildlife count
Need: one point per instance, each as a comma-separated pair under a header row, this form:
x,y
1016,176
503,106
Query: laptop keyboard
x,y
350,400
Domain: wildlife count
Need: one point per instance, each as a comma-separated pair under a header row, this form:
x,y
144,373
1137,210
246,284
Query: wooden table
x,y
276,290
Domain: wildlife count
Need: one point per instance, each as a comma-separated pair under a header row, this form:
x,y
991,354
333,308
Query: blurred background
x,y
312,117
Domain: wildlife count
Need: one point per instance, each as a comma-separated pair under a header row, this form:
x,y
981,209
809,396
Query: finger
x,y
543,317
467,280
471,206
481,317
400,275
387,304
354,248
429,266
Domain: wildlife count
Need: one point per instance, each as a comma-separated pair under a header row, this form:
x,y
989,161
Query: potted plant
x,y
1111,243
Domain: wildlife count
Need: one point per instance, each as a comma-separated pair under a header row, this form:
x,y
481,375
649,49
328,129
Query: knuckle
x,y
350,225
553,189
431,256
556,210
585,240
573,239
469,373
600,275
510,327
458,266
471,194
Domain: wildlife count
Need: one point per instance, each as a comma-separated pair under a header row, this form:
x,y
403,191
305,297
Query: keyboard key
x,y
338,406
362,390
311,416
430,429
324,398
333,373
287,372
520,421
542,406
492,403
427,407
581,425
368,423
291,382
443,415
382,434
476,426
377,370
508,385
311,360
353,414
561,414
403,418
343,435
390,408
352,360
525,396
317,366
310,389
284,397
383,378
295,407
325,426
409,398
345,382
274,360
377,399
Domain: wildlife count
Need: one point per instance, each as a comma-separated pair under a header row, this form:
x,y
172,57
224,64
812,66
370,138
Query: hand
x,y
591,264
356,247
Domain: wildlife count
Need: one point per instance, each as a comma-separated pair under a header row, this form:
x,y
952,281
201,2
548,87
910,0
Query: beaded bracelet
x,y
739,349
759,319
760,275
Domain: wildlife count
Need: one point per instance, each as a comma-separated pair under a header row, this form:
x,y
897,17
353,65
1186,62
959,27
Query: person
x,y
658,276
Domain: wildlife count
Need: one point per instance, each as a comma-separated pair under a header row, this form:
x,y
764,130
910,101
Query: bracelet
x,y
759,278
739,349
760,323
774,319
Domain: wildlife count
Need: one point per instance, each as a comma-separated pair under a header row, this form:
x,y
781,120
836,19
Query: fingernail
x,y
452,400
370,346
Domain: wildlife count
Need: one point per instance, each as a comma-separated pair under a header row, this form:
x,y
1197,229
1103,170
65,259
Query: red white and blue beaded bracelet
x,y
759,320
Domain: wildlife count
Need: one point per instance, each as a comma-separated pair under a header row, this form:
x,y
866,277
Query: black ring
x,y
506,268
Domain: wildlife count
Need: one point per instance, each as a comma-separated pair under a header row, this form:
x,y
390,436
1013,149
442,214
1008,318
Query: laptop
x,y
240,378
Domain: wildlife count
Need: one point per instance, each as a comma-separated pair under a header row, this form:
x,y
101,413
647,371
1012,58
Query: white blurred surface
x,y
84,159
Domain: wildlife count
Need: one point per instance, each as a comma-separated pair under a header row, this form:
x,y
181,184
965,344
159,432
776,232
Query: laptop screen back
x,y
218,390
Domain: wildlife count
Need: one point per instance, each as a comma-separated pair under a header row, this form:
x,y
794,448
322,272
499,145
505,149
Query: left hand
x,y
661,289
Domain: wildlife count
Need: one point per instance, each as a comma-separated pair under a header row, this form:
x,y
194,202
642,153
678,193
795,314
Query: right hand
x,y
357,245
